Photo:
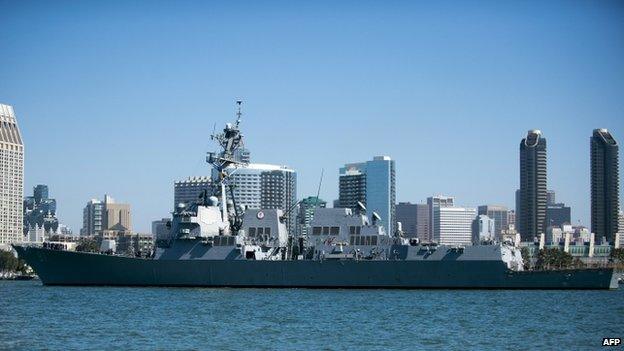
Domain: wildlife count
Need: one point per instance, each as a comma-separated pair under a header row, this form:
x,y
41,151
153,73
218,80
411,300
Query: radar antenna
x,y
239,113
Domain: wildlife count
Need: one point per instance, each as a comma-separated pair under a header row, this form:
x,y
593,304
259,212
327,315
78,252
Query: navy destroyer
x,y
214,242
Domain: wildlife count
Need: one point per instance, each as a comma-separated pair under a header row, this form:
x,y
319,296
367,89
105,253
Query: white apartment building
x,y
453,225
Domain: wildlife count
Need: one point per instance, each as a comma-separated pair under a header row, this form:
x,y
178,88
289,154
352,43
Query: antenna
x,y
318,192
239,113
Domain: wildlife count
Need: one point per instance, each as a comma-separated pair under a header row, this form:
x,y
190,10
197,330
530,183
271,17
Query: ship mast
x,y
230,141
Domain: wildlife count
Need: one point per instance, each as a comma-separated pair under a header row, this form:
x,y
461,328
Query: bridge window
x,y
267,231
325,230
252,232
334,230
316,231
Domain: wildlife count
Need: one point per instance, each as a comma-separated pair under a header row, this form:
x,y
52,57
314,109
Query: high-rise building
x,y
517,211
414,218
117,216
500,216
558,214
189,190
352,188
550,197
433,203
92,217
12,177
406,213
265,186
99,216
422,222
453,225
372,183
307,207
621,228
40,211
605,185
483,230
531,220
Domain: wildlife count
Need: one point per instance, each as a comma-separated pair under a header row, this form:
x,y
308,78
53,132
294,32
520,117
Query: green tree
x,y
87,245
10,263
552,258
617,255
564,259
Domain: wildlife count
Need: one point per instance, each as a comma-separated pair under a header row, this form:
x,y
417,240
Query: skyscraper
x,y
499,214
92,217
605,185
372,183
352,188
434,202
621,227
531,218
11,177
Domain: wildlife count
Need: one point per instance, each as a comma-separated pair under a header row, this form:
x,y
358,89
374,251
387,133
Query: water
x,y
34,317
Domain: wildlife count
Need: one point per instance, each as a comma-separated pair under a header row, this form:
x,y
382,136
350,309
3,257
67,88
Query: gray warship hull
x,y
56,267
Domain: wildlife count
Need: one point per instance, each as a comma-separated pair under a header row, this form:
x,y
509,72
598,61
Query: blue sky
x,y
120,97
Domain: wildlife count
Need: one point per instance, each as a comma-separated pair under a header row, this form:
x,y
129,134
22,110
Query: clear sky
x,y
120,97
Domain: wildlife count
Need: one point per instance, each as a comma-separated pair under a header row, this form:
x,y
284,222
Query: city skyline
x,y
385,85
414,201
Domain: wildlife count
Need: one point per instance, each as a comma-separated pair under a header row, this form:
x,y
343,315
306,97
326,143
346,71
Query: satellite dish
x,y
361,206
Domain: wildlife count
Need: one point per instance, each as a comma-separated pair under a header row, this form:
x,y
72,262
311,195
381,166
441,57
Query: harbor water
x,y
36,317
